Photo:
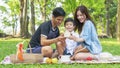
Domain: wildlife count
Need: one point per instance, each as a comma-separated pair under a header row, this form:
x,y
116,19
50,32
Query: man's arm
x,y
47,42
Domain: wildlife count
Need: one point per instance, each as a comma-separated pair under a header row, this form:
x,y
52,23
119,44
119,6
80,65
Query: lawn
x,y
8,46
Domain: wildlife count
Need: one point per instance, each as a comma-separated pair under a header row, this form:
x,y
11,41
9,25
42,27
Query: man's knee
x,y
47,51
60,44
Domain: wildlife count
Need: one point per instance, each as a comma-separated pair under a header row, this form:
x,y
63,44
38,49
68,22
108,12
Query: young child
x,y
69,30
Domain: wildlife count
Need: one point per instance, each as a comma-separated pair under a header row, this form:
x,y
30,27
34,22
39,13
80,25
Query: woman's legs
x,y
85,56
78,49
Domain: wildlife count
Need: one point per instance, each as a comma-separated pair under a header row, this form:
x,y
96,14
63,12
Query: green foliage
x,y
11,14
39,9
96,8
2,8
69,6
113,13
6,22
1,31
14,6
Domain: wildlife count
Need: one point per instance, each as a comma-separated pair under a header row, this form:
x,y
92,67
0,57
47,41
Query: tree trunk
x,y
27,35
118,21
21,17
26,20
32,17
15,25
107,17
43,10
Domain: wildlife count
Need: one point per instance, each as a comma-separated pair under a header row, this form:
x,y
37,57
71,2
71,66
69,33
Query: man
x,y
47,34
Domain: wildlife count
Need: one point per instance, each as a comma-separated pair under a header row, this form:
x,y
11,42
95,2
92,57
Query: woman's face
x,y
81,17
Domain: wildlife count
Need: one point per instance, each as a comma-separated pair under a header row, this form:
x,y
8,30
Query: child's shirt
x,y
71,44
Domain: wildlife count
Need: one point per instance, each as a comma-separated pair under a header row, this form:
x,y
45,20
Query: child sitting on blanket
x,y
69,30
71,44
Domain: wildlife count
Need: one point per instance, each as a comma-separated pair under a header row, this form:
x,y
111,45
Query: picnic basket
x,y
28,58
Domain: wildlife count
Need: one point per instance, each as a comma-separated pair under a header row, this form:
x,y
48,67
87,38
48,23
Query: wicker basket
x,y
28,58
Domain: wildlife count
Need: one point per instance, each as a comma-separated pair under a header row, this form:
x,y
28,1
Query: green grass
x,y
8,46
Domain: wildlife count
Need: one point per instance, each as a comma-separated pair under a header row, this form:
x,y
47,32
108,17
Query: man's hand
x,y
61,38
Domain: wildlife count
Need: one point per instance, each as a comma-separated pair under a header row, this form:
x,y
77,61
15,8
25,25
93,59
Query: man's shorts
x,y
36,49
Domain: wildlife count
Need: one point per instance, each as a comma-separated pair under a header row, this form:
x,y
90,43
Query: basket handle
x,y
30,48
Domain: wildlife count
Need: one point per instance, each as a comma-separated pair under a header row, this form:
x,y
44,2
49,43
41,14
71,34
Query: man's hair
x,y
58,12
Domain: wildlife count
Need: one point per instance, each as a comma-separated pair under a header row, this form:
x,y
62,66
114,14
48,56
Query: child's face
x,y
69,26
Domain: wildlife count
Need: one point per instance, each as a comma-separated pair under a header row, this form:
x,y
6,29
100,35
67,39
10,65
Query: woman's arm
x,y
76,39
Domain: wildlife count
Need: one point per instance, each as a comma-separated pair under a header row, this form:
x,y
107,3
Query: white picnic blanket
x,y
104,58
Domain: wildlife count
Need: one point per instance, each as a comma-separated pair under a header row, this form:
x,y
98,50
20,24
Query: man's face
x,y
58,20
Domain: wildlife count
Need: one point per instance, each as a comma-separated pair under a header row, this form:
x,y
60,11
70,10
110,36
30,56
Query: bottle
x,y
20,51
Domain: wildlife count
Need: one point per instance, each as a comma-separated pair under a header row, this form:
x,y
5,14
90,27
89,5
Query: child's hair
x,y
69,20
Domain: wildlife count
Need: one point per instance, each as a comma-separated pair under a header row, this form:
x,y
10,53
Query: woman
x,y
88,41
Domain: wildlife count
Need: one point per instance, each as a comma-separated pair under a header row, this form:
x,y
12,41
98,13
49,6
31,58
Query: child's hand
x,y
73,38
67,34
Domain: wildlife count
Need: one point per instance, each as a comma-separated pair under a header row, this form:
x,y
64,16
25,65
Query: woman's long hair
x,y
83,10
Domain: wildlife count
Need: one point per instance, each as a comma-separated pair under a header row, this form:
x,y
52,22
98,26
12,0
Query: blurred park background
x,y
20,18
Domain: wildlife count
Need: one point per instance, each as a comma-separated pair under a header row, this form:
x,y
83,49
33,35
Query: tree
x,y
107,6
43,4
32,17
24,19
12,15
118,21
113,19
21,17
110,17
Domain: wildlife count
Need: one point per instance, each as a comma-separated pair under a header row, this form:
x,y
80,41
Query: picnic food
x,y
67,34
54,60
48,60
89,58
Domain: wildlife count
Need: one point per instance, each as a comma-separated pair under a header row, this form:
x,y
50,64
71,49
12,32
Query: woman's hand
x,y
74,38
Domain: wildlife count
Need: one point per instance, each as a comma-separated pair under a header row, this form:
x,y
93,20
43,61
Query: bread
x,y
67,34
